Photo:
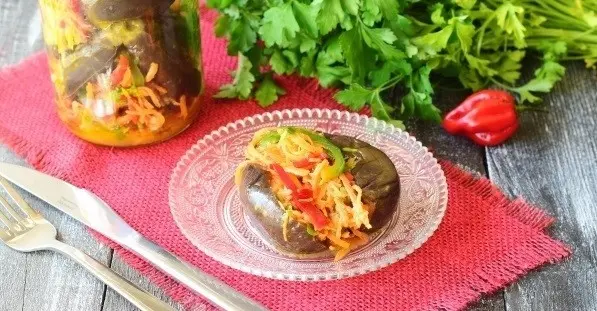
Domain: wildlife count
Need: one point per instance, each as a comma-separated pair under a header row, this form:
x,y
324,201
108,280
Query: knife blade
x,y
92,211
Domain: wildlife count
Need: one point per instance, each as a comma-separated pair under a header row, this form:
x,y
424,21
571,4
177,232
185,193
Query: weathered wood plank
x,y
552,162
115,302
20,30
466,154
42,280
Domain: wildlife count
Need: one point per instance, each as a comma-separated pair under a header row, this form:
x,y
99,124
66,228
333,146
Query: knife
x,y
92,211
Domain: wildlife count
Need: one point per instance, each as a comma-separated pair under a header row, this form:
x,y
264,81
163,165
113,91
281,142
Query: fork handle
x,y
140,298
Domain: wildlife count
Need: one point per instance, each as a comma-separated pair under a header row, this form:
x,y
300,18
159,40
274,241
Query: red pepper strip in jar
x,y
487,117
120,70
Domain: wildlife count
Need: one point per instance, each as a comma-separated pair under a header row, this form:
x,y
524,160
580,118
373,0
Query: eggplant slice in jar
x,y
176,71
85,63
117,10
275,200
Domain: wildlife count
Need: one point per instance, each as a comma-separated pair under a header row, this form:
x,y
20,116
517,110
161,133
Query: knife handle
x,y
210,288
140,298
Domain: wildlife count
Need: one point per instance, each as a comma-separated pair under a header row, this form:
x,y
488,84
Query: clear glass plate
x,y
206,207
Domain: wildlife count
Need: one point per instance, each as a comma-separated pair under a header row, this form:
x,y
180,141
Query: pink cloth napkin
x,y
485,241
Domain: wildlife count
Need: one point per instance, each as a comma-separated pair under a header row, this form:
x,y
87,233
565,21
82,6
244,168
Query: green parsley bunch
x,y
367,47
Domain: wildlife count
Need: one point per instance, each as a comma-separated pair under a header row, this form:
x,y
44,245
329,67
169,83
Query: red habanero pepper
x,y
487,117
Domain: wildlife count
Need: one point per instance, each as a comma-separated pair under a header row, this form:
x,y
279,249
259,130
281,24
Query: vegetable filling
x,y
310,178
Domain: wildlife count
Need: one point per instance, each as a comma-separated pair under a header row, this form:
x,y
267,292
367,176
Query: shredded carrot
x,y
183,106
158,88
145,91
127,80
285,221
360,234
337,241
146,104
341,253
153,70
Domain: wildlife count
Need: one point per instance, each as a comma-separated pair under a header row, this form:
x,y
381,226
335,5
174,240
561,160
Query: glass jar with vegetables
x,y
126,72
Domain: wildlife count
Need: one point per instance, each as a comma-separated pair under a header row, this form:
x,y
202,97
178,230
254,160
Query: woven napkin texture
x,y
485,241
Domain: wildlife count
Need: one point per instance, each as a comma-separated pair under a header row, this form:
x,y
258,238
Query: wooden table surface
x,y
552,162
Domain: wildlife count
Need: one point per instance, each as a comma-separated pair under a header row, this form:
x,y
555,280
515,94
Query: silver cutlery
x,y
28,231
92,211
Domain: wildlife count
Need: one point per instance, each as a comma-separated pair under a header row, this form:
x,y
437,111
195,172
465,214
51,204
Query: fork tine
x,y
4,235
12,212
9,224
18,198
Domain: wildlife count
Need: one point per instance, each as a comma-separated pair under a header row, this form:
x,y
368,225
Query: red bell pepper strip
x,y
349,176
304,192
285,177
487,117
299,194
303,163
120,70
317,218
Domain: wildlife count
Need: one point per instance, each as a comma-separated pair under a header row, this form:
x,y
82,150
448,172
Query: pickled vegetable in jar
x,y
126,72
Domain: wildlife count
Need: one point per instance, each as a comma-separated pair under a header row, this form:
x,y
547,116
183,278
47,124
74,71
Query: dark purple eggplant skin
x,y
267,216
374,173
175,70
117,10
86,63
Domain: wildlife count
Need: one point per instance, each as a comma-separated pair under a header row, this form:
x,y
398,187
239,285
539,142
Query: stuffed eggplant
x,y
308,192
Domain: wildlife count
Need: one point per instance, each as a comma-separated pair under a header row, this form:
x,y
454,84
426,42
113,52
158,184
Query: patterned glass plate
x,y
205,202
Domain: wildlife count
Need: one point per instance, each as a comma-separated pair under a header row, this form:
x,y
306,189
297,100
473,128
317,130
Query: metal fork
x,y
31,232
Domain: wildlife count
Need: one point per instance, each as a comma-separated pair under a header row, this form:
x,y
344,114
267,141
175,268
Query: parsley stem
x,y
391,83
482,33
496,82
562,34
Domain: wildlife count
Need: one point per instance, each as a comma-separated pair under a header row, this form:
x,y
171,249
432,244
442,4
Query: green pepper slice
x,y
332,150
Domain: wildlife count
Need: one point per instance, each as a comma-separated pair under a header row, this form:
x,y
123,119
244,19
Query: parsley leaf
x,y
434,42
381,39
242,85
328,73
242,36
382,75
279,26
418,101
465,33
355,52
354,97
545,78
306,18
333,12
508,17
268,91
481,65
509,65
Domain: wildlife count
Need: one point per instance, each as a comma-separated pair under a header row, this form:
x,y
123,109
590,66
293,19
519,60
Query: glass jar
x,y
126,72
